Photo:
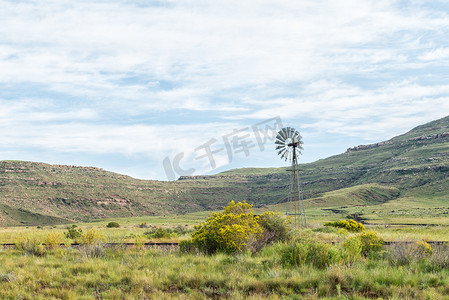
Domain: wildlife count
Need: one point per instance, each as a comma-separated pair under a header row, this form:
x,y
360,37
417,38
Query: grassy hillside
x,y
36,193
412,168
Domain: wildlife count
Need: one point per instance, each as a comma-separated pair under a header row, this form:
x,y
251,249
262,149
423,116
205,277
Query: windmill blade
x,y
292,132
287,132
280,143
279,147
279,137
283,133
297,136
281,150
283,154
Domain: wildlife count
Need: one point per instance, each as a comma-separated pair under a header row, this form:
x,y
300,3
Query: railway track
x,y
175,245
106,245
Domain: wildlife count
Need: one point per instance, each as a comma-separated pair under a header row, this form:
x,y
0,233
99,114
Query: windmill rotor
x,y
288,143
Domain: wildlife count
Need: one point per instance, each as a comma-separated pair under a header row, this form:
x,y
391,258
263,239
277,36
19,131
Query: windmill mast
x,y
295,205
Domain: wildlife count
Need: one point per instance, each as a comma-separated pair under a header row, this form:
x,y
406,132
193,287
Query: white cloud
x,y
436,55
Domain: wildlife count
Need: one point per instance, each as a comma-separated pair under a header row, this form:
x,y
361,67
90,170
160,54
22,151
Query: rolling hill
x,y
410,169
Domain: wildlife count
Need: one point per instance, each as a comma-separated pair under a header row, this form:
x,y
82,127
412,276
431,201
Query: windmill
x,y
289,145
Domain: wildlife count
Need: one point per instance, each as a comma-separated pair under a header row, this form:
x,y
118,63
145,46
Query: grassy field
x,y
156,274
393,219
96,272
130,230
332,269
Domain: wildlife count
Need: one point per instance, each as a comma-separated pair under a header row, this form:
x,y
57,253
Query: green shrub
x,y
144,225
440,256
404,253
327,229
181,230
312,252
276,228
187,246
92,250
113,225
349,225
73,232
30,246
322,255
91,237
351,249
371,243
229,231
294,254
54,240
160,233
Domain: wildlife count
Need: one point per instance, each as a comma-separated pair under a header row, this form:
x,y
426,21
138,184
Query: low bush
x,y
326,229
54,240
160,233
187,246
30,246
144,225
422,249
92,250
371,243
405,253
276,228
181,230
73,232
349,225
351,249
294,254
229,231
113,225
91,237
322,255
313,252
439,258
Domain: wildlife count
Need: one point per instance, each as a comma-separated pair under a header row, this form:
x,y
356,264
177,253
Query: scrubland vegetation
x,y
271,262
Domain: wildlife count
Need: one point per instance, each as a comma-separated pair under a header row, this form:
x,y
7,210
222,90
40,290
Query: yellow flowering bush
x,y
349,225
53,240
91,237
371,242
422,248
229,231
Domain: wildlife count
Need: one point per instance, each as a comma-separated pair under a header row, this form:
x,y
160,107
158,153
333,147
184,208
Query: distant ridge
x,y
415,164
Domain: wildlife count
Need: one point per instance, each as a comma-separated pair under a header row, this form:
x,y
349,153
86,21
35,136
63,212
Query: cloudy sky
x,y
146,88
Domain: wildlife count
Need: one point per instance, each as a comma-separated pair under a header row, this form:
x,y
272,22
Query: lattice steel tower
x,y
289,146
